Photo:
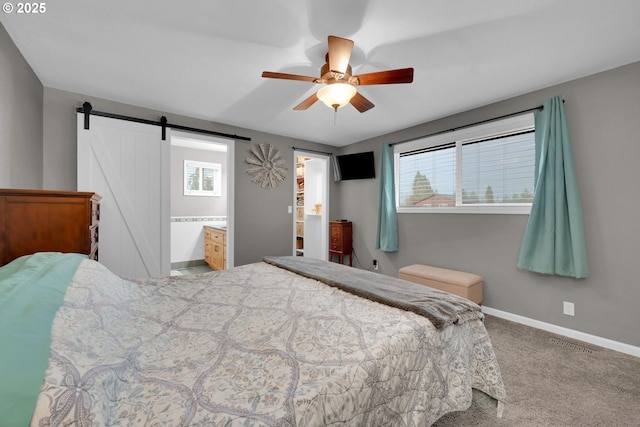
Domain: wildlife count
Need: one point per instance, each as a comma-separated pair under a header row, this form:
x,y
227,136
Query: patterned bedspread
x,y
254,345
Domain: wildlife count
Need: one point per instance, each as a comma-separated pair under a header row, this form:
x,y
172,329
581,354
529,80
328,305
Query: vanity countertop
x,y
217,227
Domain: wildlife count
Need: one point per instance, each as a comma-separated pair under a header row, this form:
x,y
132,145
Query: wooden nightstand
x,y
340,240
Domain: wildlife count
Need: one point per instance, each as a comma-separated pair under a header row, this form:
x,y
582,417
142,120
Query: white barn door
x,y
127,163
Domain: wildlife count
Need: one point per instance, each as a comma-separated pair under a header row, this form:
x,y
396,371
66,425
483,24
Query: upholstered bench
x,y
467,285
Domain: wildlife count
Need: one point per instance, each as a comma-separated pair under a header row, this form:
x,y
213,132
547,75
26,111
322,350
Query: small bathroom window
x,y
202,178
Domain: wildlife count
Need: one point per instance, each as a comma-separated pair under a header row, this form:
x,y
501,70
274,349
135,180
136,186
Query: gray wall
x,y
182,205
20,119
262,224
603,112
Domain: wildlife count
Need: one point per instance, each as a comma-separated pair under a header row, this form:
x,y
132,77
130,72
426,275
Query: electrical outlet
x,y
568,308
375,264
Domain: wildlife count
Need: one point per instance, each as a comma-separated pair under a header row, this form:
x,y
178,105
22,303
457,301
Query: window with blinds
x,y
487,168
202,178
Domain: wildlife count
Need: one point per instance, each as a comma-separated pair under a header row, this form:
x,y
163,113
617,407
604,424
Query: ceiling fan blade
x,y
307,102
401,75
339,53
361,103
285,76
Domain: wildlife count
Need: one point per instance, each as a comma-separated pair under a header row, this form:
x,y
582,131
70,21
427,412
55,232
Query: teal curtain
x,y
554,240
387,238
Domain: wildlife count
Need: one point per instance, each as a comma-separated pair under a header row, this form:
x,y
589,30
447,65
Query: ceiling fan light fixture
x,y
336,95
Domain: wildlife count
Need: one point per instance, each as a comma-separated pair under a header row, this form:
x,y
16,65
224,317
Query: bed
x,y
288,341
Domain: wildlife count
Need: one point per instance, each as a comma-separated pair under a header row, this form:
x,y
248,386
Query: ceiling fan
x,y
341,85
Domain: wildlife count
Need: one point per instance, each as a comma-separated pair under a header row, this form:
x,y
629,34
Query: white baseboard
x,y
592,339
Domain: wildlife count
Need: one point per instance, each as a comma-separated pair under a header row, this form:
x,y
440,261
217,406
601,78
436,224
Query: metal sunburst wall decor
x,y
267,166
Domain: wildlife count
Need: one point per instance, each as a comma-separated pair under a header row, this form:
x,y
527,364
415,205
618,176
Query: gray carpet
x,y
555,381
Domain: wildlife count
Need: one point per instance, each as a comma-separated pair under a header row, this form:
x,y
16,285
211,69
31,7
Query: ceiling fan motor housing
x,y
329,77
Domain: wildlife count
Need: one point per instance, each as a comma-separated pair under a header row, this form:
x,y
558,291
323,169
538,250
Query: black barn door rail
x,y
88,110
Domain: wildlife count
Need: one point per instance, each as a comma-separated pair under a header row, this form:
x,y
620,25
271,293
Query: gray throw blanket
x,y
441,308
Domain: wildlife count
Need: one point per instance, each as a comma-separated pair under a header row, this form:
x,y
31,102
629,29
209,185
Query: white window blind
x,y
202,178
427,176
482,169
498,170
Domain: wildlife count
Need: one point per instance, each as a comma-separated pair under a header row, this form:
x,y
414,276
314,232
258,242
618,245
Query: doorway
x,y
127,161
201,175
311,204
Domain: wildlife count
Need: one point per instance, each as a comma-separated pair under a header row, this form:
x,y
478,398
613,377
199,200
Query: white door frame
x,y
230,189
325,202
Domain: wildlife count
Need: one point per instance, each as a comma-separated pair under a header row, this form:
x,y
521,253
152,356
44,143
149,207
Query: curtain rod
x,y
313,151
539,108
88,110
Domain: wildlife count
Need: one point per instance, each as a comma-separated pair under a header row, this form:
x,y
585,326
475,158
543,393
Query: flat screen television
x,y
355,166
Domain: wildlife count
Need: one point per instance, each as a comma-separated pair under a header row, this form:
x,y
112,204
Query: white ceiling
x,y
204,58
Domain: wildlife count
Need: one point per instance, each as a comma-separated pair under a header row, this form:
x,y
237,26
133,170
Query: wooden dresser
x,y
48,221
340,240
215,247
